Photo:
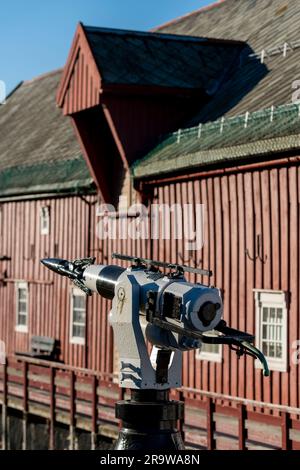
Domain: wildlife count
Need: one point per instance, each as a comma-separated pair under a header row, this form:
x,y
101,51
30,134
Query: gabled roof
x,y
38,148
103,59
263,81
153,59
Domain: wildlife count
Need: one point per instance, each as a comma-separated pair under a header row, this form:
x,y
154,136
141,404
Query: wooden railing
x,y
85,399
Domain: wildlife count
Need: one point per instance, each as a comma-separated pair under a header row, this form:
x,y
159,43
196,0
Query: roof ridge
x,y
187,15
158,35
42,76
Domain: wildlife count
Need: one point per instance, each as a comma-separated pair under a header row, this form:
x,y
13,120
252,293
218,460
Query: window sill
x,y
21,329
273,366
78,341
209,357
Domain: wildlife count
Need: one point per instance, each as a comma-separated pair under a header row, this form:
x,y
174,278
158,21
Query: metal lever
x,y
242,341
253,351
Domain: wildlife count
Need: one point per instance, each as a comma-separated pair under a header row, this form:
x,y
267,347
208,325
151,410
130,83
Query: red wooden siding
x,y
85,77
80,86
48,296
138,121
238,207
71,228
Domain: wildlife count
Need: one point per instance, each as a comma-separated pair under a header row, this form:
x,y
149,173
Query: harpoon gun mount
x,y
163,308
149,305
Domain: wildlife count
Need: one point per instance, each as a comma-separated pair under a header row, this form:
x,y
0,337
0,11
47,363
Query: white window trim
x,y
45,230
76,339
266,298
21,328
210,356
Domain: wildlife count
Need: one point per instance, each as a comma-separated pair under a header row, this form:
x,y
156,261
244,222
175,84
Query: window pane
x,y
22,305
279,315
272,314
279,333
79,316
78,331
265,348
22,319
279,351
271,349
265,314
79,301
22,294
272,332
264,332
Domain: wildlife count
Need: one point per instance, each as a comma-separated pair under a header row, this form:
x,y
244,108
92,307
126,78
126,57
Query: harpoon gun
x,y
161,307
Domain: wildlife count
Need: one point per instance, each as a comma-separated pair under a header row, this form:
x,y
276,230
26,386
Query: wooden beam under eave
x,y
101,153
115,136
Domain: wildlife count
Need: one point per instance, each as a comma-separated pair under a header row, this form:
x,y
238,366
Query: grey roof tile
x,y
36,140
143,58
263,24
227,140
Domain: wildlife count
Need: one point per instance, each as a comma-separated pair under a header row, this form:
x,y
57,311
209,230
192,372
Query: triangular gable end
x,y
81,82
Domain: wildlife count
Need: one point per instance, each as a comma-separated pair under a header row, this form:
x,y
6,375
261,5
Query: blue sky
x,y
35,35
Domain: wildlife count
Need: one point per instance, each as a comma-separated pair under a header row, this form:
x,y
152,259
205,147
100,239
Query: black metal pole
x,y
149,421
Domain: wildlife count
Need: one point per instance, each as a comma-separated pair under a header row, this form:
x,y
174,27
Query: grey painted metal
x,y
136,369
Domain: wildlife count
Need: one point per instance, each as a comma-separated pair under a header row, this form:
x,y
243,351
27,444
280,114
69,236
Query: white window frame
x,y
210,356
271,299
18,327
45,220
75,291
2,352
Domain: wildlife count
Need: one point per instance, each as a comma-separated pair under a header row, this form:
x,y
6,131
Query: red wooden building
x,y
199,111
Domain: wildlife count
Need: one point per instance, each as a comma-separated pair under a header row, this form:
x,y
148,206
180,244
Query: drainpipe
x,y
90,204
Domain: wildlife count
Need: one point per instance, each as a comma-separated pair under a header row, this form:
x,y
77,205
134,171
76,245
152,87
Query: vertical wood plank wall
x,y
49,294
238,207
83,91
